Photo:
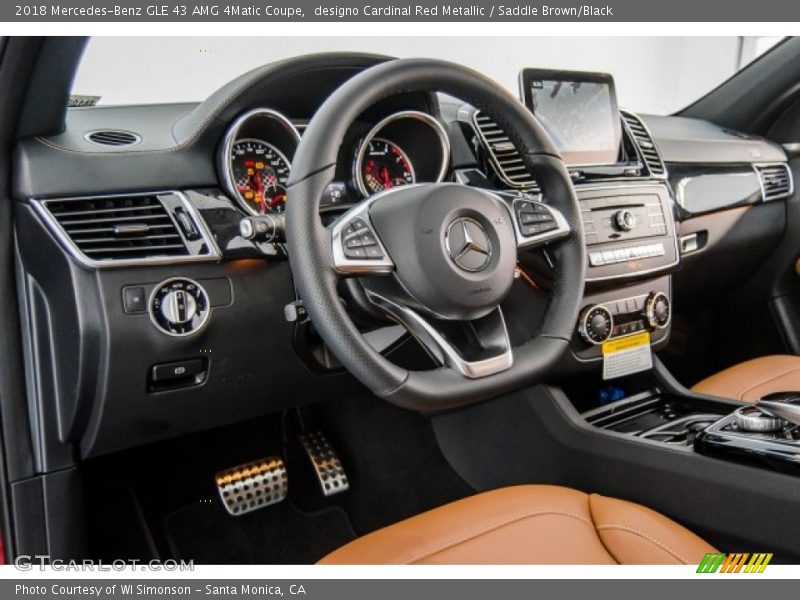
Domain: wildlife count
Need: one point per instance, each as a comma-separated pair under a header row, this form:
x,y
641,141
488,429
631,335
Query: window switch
x,y
134,300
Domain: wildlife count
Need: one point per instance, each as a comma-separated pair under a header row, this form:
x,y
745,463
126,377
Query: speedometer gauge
x,y
383,166
259,173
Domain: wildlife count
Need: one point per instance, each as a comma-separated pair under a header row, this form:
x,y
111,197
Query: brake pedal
x,y
330,472
253,485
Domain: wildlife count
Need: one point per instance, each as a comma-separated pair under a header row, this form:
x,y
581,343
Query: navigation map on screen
x,y
580,116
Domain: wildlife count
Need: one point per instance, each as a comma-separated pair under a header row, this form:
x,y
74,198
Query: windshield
x,y
656,75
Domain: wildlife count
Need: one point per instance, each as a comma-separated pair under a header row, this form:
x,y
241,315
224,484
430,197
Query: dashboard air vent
x,y
113,137
644,141
119,227
776,181
503,155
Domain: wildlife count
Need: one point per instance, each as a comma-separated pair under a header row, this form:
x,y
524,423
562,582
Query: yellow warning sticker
x,y
625,343
626,356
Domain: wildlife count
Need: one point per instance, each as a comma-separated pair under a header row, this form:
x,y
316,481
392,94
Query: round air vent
x,y
113,137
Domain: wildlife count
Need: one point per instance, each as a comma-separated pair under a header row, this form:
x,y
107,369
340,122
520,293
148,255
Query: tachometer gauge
x,y
383,166
260,173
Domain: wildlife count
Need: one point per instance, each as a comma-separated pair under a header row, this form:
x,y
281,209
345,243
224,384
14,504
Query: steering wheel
x,y
437,258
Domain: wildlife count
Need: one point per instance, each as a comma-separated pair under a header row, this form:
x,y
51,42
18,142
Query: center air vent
x,y
113,137
503,155
776,181
118,228
644,141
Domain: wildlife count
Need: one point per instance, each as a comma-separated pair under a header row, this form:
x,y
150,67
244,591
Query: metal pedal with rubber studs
x,y
326,463
253,485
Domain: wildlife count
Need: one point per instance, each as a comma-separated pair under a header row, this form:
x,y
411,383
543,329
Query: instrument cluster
x,y
403,148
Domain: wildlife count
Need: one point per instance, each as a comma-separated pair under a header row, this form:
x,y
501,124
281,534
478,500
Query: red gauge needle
x,y
278,199
259,185
387,183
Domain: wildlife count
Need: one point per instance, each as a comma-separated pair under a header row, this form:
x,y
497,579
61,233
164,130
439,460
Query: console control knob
x,y
596,324
754,420
179,306
658,310
625,220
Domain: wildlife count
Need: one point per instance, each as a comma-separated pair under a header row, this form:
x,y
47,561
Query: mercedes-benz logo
x,y
468,244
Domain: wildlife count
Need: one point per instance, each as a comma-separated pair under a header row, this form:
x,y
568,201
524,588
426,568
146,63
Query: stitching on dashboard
x,y
489,527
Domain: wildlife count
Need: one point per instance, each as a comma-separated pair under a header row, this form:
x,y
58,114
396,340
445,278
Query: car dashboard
x,y
154,306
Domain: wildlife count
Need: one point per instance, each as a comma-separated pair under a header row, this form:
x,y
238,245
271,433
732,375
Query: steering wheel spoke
x,y
536,223
476,348
356,248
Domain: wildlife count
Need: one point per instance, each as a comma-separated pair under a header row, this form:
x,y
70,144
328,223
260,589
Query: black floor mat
x,y
278,534
394,463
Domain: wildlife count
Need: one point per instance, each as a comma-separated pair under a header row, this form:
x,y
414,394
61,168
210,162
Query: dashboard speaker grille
x,y
644,141
503,155
113,137
776,181
119,228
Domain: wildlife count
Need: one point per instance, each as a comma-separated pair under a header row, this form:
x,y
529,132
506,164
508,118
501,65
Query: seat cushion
x,y
532,524
754,379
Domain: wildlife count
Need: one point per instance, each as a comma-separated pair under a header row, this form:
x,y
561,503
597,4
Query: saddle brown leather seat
x,y
531,524
754,379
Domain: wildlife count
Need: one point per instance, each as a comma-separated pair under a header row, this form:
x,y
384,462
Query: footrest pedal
x,y
253,485
326,463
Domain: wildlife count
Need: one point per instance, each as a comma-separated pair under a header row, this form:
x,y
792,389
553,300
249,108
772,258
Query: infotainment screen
x,y
578,110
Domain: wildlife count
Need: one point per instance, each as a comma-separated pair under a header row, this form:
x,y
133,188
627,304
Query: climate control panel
x,y
599,323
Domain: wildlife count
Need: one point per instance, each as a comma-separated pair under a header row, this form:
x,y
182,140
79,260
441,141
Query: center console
x,y
765,433
631,246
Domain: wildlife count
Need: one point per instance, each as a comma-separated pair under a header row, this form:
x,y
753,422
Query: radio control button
x,y
625,220
596,259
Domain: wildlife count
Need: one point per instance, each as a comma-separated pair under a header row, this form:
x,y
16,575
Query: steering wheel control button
x,y
179,306
360,242
468,245
134,300
596,324
534,218
658,310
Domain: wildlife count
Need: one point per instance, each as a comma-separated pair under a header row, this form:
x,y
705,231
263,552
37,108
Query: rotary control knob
x,y
179,306
596,324
625,220
754,420
658,310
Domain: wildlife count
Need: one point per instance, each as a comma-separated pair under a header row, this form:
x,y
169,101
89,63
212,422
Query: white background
x,y
653,74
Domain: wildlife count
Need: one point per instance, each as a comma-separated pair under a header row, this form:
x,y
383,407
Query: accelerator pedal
x,y
330,472
253,485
